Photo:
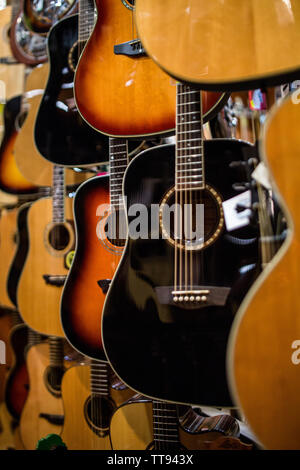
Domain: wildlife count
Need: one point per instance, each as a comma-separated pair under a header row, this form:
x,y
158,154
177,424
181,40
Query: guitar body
x,y
41,20
108,87
19,258
61,135
11,179
78,431
38,297
8,234
198,31
17,381
27,47
30,162
5,328
95,260
175,350
43,411
11,76
263,356
7,426
131,427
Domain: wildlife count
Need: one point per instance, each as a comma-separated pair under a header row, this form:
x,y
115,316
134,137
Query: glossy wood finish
x,y
75,391
131,428
17,382
32,426
11,179
61,135
8,234
204,35
83,299
162,350
12,76
113,91
264,380
30,162
38,302
20,255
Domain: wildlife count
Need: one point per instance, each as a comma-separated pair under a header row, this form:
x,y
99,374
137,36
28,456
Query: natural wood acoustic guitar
x,y
263,354
192,40
8,239
90,395
43,412
143,424
51,241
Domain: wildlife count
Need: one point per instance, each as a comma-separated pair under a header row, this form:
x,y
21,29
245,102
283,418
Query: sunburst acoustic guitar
x,y
199,31
263,357
112,79
11,179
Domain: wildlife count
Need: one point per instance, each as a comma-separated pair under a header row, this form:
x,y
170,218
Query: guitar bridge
x,y
193,298
57,420
132,48
54,280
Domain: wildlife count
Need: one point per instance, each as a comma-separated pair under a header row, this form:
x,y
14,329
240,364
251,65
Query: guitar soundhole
x,y
129,4
98,411
116,228
53,378
59,237
74,54
188,200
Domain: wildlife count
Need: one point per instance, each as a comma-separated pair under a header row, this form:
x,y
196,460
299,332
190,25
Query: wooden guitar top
x,y
222,45
263,359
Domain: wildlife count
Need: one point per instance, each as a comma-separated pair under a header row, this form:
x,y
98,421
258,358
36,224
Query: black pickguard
x,y
61,135
164,351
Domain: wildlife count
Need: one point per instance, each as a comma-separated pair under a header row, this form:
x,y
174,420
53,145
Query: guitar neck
x,y
58,198
15,8
99,378
56,348
33,337
118,161
189,173
86,19
165,426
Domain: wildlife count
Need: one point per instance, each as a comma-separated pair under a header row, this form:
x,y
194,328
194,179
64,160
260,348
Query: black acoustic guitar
x,y
170,306
61,135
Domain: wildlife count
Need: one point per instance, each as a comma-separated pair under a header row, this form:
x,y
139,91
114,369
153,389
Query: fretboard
x,y
56,349
86,19
165,426
189,139
99,378
118,161
33,337
58,198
